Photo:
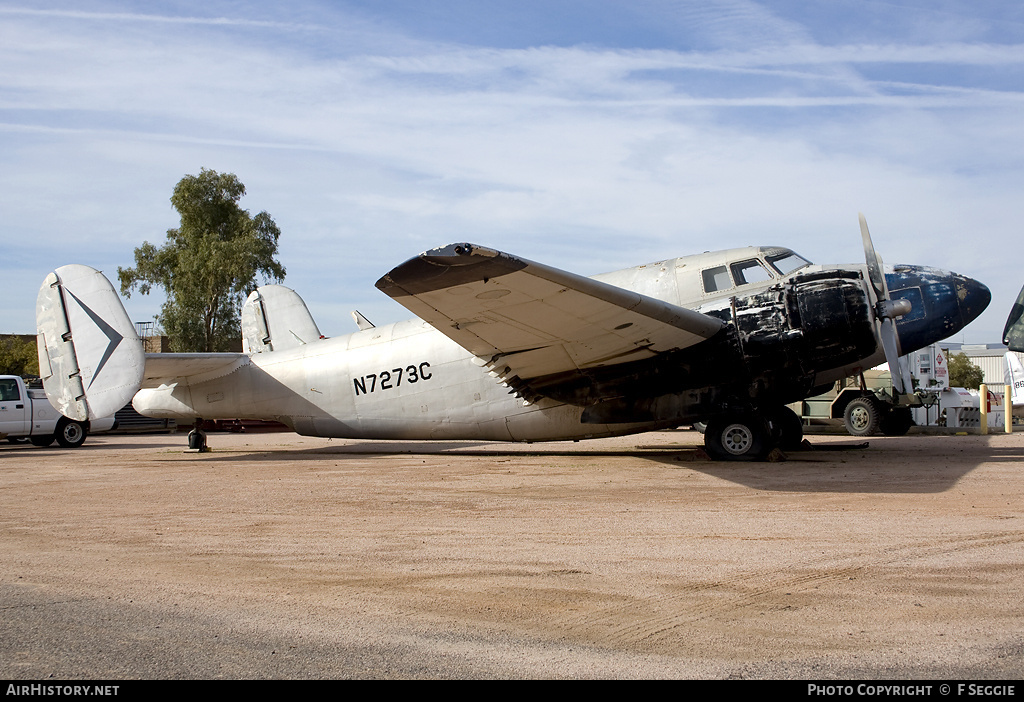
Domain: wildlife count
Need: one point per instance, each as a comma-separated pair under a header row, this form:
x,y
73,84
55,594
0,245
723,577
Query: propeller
x,y
886,312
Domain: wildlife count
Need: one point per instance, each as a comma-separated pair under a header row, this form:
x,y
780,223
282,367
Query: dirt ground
x,y
283,556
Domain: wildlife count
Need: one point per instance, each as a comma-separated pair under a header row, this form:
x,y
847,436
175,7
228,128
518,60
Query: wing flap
x,y
529,320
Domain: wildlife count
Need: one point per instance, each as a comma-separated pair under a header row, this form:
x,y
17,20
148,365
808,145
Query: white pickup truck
x,y
26,415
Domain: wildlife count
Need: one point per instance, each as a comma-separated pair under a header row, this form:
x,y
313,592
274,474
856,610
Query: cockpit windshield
x,y
788,262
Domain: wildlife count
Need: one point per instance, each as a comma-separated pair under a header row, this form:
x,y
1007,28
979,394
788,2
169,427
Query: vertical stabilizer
x,y
275,318
90,358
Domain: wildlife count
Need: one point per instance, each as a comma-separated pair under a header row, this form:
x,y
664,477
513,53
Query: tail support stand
x,y
197,440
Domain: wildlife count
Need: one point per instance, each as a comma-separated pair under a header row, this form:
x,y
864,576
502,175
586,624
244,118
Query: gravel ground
x,y
283,556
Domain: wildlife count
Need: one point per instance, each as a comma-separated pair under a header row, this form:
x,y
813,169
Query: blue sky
x,y
587,135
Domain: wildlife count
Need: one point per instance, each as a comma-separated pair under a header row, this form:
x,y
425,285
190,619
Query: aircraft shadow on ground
x,y
858,466
879,465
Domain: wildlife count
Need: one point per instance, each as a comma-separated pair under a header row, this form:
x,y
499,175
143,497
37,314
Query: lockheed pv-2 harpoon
x,y
506,349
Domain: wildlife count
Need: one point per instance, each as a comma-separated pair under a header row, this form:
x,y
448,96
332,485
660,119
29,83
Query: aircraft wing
x,y
526,320
166,368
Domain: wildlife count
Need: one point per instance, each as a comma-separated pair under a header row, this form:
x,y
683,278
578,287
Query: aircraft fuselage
x,y
398,381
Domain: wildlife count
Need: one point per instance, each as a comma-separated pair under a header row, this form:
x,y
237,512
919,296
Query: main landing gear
x,y
750,436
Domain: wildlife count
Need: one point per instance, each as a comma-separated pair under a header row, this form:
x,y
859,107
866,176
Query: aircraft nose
x,y
942,303
973,297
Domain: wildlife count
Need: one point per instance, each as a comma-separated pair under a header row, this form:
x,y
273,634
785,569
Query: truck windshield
x,y
9,390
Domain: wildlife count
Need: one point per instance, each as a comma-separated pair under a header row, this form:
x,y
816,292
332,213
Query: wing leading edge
x,y
526,320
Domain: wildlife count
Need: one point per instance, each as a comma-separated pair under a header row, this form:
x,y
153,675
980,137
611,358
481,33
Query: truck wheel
x,y
787,428
862,416
897,422
70,434
742,437
42,440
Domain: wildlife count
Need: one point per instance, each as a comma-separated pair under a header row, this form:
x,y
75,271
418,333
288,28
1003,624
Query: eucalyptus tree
x,y
209,264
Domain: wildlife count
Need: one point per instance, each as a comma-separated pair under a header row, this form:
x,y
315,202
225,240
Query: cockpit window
x,y
716,278
751,271
788,262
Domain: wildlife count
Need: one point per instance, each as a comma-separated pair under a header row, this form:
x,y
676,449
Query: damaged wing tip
x,y
445,255
451,250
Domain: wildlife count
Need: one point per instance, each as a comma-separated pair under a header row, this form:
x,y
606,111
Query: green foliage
x,y
18,357
209,264
963,373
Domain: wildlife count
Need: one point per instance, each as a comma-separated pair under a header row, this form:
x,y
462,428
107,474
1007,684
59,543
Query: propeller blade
x,y
892,355
874,261
886,312
902,380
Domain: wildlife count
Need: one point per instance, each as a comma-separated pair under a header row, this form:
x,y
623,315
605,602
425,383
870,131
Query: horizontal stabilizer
x,y
90,358
275,318
168,368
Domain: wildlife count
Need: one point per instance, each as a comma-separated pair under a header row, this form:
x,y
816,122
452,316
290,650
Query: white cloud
x,y
369,145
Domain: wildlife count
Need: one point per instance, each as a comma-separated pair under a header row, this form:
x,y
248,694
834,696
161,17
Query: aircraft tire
x,y
197,440
737,438
862,416
42,440
71,434
787,428
897,422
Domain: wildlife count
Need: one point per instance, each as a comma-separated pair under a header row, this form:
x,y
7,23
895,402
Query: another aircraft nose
x,y
973,296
